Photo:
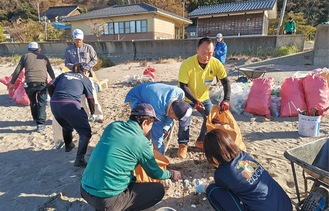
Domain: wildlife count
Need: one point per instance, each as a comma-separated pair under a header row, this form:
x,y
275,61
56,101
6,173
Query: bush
x,y
103,62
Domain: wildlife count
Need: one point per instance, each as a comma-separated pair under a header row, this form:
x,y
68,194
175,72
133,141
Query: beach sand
x,y
37,176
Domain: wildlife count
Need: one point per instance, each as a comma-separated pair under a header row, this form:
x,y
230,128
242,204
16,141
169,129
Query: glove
x,y
175,175
93,118
224,105
201,188
199,107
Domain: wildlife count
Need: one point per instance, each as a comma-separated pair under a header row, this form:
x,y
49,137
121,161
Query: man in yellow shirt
x,y
196,74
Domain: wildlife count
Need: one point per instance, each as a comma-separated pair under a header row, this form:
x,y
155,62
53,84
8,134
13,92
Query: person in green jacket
x,y
290,26
108,182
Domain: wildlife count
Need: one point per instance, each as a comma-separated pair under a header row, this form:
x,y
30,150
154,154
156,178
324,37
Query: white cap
x,y
33,46
219,35
77,34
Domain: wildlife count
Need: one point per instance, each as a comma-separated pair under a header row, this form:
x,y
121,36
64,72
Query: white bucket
x,y
309,125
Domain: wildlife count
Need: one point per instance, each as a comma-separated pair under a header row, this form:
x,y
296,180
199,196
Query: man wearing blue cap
x,y
37,67
168,103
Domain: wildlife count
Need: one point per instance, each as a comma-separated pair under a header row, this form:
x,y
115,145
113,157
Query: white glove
x,y
201,188
93,118
166,183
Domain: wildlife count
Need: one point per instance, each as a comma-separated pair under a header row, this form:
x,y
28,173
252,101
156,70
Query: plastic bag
x,y
239,96
292,95
259,99
275,106
224,120
141,175
316,93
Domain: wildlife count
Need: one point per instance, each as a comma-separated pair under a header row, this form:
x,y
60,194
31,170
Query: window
x,y
126,27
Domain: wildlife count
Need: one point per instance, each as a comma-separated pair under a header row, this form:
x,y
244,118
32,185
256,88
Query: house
x,y
235,18
129,22
56,14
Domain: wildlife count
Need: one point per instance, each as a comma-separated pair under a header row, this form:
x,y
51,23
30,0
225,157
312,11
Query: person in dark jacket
x,y
241,183
66,91
37,67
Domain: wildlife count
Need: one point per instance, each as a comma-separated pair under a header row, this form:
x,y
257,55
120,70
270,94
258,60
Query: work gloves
x,y
224,105
199,107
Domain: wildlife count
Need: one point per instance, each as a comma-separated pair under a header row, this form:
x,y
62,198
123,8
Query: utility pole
x,y
183,7
38,10
281,17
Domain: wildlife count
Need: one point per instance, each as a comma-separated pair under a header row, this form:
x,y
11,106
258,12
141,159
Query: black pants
x,y
37,93
138,196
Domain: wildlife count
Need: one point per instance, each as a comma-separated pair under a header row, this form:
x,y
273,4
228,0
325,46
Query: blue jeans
x,y
184,133
221,199
37,93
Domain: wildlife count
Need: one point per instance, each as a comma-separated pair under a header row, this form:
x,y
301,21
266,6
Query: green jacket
x,y
290,26
121,148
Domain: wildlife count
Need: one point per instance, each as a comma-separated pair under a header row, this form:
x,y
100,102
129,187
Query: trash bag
x,y
20,96
141,175
225,121
292,97
259,98
316,93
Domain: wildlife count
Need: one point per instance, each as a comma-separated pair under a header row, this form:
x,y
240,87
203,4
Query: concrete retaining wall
x,y
321,46
122,51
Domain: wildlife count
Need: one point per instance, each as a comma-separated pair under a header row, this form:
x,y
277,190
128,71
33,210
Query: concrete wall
x,y
121,51
321,46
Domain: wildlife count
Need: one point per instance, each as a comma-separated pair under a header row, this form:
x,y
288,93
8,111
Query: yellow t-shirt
x,y
198,79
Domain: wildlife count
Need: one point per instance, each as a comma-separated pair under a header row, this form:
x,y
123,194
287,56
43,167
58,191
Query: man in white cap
x,y
37,67
220,51
82,53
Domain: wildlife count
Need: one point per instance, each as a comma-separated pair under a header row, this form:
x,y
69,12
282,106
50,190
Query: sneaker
x,y
182,151
80,163
40,128
70,147
199,144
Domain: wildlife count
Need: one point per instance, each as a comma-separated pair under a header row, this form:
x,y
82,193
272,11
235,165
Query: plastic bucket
x,y
309,125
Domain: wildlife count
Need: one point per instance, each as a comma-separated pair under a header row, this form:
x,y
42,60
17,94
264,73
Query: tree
x,y
27,31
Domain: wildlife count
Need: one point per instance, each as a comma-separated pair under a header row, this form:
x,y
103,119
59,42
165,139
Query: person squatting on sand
x,y
241,183
168,104
108,182
83,53
196,74
66,91
36,67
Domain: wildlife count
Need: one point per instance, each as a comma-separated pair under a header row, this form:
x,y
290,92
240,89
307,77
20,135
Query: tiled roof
x,y
121,10
53,12
233,7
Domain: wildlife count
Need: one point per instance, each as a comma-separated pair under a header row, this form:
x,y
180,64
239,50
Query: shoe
x,y
182,151
80,163
199,144
40,128
70,147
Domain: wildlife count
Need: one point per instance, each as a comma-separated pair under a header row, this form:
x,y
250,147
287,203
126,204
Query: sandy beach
x,y
36,176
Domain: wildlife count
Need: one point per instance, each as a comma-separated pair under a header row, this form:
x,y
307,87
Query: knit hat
x,y
33,46
144,109
77,34
183,111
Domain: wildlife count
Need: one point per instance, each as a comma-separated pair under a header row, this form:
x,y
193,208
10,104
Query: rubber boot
x,y
68,141
82,149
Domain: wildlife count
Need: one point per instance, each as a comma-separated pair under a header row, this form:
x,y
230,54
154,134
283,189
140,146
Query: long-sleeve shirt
x,y
290,27
159,95
252,184
220,51
75,55
120,149
37,67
